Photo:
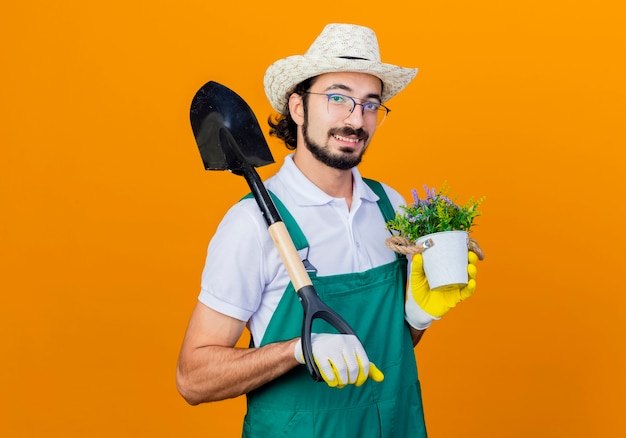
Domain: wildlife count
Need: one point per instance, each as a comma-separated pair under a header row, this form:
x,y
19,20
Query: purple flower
x,y
416,197
430,193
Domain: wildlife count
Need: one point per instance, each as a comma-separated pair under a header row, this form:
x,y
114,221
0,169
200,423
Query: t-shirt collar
x,y
308,194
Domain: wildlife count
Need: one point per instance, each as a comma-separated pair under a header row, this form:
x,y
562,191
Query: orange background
x,y
107,210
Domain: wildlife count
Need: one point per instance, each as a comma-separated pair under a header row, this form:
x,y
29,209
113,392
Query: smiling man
x,y
330,102
335,129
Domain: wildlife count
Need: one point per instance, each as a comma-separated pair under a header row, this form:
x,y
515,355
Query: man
x,y
330,102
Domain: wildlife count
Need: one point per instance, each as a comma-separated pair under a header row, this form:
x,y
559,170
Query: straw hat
x,y
339,48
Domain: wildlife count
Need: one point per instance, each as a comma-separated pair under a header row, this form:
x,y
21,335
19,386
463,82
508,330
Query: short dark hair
x,y
282,125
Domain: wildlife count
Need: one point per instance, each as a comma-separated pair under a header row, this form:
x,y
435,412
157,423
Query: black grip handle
x,y
314,308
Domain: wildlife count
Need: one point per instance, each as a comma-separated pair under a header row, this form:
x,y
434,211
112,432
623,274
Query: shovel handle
x,y
287,250
314,307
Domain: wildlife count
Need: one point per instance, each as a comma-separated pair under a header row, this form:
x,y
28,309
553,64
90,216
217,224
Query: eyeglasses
x,y
342,106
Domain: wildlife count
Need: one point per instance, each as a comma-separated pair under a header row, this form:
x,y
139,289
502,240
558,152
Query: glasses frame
x,y
381,108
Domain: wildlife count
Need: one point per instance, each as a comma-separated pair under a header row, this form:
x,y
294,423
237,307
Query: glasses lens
x,y
381,115
342,106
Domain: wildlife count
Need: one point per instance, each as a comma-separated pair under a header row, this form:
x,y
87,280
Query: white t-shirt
x,y
244,276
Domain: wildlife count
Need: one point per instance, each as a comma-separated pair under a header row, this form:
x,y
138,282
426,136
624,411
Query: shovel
x,y
229,137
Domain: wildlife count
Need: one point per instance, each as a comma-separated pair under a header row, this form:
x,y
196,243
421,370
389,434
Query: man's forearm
x,y
416,335
214,373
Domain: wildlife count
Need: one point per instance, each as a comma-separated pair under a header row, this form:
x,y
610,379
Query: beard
x,y
343,160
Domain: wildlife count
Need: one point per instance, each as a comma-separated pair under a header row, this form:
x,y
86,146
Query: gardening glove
x,y
341,359
424,306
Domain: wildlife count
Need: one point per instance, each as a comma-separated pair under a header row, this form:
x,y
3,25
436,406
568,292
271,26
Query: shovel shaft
x,y
261,195
313,306
297,273
280,235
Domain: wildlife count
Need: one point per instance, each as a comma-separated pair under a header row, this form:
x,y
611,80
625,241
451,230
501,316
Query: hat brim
x,y
282,76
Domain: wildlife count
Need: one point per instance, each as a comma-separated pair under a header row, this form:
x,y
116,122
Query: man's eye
x,y
371,106
336,98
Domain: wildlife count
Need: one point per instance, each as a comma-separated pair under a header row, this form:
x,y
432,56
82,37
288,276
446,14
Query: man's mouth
x,y
347,135
347,139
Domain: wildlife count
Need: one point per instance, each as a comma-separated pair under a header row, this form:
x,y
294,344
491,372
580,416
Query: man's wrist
x,y
416,316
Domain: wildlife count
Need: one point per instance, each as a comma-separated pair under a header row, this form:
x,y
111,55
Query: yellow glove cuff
x,y
439,302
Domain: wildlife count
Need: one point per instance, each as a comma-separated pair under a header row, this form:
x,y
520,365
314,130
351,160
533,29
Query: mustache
x,y
346,131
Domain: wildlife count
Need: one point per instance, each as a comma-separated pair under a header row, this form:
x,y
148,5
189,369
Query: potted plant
x,y
441,225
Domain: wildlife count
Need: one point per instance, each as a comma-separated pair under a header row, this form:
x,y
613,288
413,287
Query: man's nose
x,y
355,118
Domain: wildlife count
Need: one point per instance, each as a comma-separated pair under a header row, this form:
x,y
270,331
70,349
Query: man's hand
x,y
341,360
423,306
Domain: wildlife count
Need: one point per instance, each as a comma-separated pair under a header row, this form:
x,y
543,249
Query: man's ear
x,y
296,108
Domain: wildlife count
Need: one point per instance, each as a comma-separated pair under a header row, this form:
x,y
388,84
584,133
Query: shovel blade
x,y
226,130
